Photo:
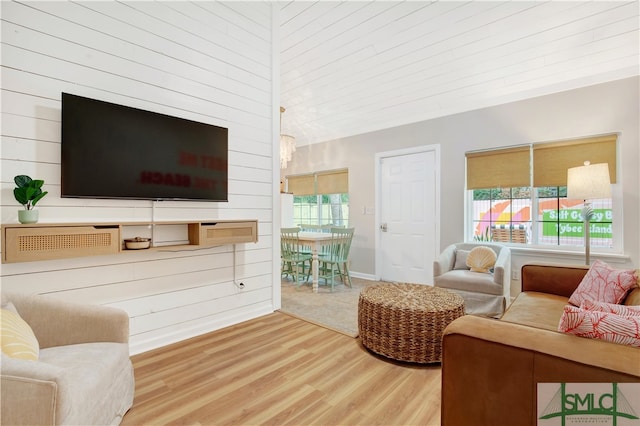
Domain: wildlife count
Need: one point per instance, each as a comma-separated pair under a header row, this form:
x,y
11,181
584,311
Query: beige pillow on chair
x,y
461,259
481,259
18,340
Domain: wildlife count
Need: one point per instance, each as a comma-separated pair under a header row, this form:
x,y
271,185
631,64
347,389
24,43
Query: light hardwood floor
x,y
280,370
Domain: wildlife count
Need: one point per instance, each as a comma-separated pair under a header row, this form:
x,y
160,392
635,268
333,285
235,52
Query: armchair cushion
x,y
478,282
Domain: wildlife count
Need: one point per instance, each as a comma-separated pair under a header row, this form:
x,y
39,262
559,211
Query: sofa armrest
x,y
445,261
502,268
561,280
597,353
504,362
58,323
29,391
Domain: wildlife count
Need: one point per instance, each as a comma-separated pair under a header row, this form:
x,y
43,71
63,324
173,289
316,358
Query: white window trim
x,y
615,252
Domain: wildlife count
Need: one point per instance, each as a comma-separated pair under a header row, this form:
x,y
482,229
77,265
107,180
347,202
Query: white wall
x,y
599,109
206,61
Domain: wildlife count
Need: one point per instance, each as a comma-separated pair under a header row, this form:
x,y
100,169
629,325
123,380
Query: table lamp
x,y
588,182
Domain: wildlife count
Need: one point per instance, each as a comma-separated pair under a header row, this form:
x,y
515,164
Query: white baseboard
x,y
137,347
360,275
174,336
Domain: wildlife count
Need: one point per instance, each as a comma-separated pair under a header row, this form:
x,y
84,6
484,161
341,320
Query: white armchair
x,y
484,293
83,375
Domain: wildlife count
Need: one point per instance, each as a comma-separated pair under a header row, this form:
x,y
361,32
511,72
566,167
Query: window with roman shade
x,y
551,160
518,194
500,168
302,184
320,198
333,182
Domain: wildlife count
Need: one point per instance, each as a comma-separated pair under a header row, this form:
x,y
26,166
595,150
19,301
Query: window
x,y
320,198
327,209
502,214
519,194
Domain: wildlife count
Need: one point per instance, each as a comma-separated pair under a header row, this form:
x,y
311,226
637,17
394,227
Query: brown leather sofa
x,y
491,368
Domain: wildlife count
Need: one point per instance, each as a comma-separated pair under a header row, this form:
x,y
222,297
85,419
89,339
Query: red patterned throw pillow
x,y
601,325
604,284
611,308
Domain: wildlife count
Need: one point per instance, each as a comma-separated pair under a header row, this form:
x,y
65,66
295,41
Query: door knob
x,y
383,227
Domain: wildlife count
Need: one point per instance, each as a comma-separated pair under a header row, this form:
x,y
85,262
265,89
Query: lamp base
x,y
587,214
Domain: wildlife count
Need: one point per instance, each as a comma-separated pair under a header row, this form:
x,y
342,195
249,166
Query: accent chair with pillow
x,y
479,272
63,363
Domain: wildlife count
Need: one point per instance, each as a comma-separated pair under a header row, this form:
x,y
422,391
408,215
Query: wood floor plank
x,y
280,370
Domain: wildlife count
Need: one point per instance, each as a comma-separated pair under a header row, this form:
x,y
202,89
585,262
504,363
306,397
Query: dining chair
x,y
306,227
316,228
334,260
293,258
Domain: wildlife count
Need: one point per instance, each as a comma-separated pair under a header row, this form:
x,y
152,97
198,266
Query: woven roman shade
x,y
302,184
333,182
552,159
330,182
500,168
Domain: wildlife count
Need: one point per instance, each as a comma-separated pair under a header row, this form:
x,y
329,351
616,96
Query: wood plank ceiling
x,y
353,67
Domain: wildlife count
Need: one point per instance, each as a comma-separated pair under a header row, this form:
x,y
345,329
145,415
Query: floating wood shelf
x,y
45,241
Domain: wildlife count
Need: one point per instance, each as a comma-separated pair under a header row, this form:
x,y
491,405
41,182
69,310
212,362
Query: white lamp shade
x,y
589,182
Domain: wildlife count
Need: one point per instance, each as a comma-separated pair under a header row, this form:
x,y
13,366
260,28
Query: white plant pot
x,y
28,216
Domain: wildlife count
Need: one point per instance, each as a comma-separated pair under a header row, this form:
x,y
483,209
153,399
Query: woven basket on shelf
x,y
406,321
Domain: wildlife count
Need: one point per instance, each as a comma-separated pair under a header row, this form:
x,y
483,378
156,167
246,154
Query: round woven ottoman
x,y
405,321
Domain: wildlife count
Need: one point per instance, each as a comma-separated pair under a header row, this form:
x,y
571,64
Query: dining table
x,y
314,240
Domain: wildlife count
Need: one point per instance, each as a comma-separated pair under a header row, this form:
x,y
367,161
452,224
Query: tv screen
x,y
115,151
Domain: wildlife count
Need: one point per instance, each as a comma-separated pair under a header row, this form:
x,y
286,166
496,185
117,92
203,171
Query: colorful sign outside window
x,y
569,223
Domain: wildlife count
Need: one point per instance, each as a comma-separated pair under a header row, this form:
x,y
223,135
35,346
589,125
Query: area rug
x,y
337,309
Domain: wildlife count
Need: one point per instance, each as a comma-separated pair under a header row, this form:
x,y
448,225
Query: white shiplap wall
x,y
205,61
354,67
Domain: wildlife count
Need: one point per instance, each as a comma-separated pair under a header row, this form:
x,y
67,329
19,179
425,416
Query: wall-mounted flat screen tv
x,y
115,151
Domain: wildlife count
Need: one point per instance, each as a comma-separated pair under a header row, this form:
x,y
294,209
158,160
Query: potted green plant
x,y
28,192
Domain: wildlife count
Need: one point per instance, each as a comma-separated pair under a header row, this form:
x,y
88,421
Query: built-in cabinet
x,y
26,243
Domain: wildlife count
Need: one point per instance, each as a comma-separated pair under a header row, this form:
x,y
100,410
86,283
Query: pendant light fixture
x,y
287,144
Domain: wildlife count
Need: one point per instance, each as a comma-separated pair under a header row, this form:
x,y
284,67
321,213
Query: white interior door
x,y
408,234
